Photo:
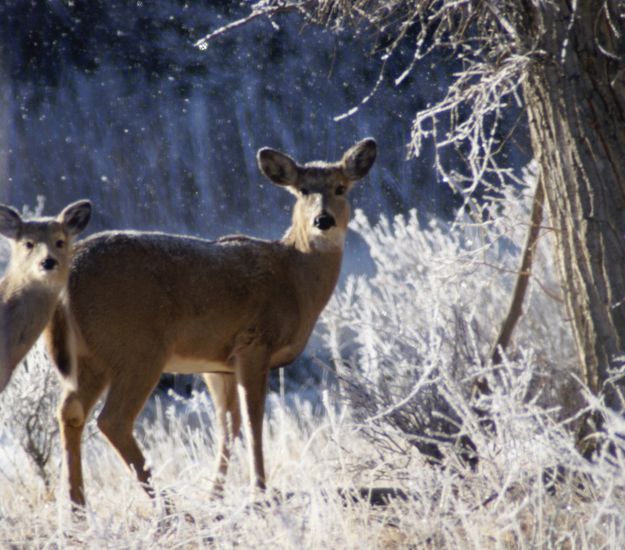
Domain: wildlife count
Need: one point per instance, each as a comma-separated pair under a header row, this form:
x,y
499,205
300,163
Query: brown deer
x,y
35,277
141,303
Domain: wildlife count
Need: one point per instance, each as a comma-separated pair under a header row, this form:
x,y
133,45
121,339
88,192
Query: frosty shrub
x,y
409,342
28,414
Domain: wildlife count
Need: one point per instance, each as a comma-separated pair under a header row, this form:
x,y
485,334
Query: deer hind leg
x,y
127,395
76,404
223,390
251,369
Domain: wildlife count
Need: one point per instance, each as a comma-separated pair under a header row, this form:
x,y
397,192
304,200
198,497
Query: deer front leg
x,y
76,404
223,391
251,374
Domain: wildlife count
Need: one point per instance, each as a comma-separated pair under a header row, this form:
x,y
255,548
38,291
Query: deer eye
x,y
304,191
29,244
340,190
60,243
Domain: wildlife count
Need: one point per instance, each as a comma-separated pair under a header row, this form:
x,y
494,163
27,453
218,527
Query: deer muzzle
x,y
324,221
49,264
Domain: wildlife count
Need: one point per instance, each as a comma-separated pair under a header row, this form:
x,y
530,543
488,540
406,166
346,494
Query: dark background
x,y
110,100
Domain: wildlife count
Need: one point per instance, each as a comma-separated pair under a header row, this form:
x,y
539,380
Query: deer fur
x,y
36,275
142,303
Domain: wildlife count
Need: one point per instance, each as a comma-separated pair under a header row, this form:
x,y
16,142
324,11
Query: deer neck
x,y
25,309
15,283
317,265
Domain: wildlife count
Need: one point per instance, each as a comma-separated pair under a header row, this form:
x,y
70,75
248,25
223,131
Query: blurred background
x,y
110,100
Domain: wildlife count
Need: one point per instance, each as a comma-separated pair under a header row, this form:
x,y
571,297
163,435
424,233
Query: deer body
x,y
140,304
205,313
35,277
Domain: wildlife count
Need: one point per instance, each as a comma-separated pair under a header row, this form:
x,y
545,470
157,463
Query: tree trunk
x,y
575,96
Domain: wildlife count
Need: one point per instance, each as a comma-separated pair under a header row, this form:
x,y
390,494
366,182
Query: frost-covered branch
x,y
260,9
486,41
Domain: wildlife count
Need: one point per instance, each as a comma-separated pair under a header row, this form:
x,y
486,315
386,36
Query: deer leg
x,y
127,396
223,390
251,374
76,404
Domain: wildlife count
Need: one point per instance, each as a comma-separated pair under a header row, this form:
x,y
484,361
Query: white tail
x,y
35,276
145,303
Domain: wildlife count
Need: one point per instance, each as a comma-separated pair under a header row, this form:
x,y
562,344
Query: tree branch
x,y
202,43
518,296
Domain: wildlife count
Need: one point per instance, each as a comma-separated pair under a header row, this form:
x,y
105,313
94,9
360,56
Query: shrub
x,y
409,342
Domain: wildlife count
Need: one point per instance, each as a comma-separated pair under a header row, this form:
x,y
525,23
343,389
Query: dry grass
x,y
503,504
387,339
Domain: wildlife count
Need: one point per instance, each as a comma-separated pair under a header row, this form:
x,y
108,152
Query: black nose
x,y
49,264
325,221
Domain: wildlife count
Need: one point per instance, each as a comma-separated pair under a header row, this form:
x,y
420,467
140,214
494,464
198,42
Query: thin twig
x,y
518,296
202,43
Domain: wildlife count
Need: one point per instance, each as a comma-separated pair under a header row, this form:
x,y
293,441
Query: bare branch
x,y
468,121
518,296
257,11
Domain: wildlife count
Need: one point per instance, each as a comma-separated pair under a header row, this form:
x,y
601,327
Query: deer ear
x,y
358,159
10,222
75,216
278,167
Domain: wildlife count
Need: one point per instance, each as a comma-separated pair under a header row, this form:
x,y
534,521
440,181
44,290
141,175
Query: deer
x,y
35,277
143,303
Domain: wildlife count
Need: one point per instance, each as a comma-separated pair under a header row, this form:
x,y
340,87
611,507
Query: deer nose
x,y
324,221
49,264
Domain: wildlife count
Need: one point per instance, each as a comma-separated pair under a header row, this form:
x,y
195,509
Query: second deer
x,y
140,304
35,277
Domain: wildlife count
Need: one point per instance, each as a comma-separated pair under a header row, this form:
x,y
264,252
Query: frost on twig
x,y
260,9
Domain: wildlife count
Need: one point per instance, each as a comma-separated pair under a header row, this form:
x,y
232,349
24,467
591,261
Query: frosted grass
x,y
406,343
504,504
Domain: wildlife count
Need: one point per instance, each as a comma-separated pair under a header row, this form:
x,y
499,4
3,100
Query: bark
x,y
575,98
